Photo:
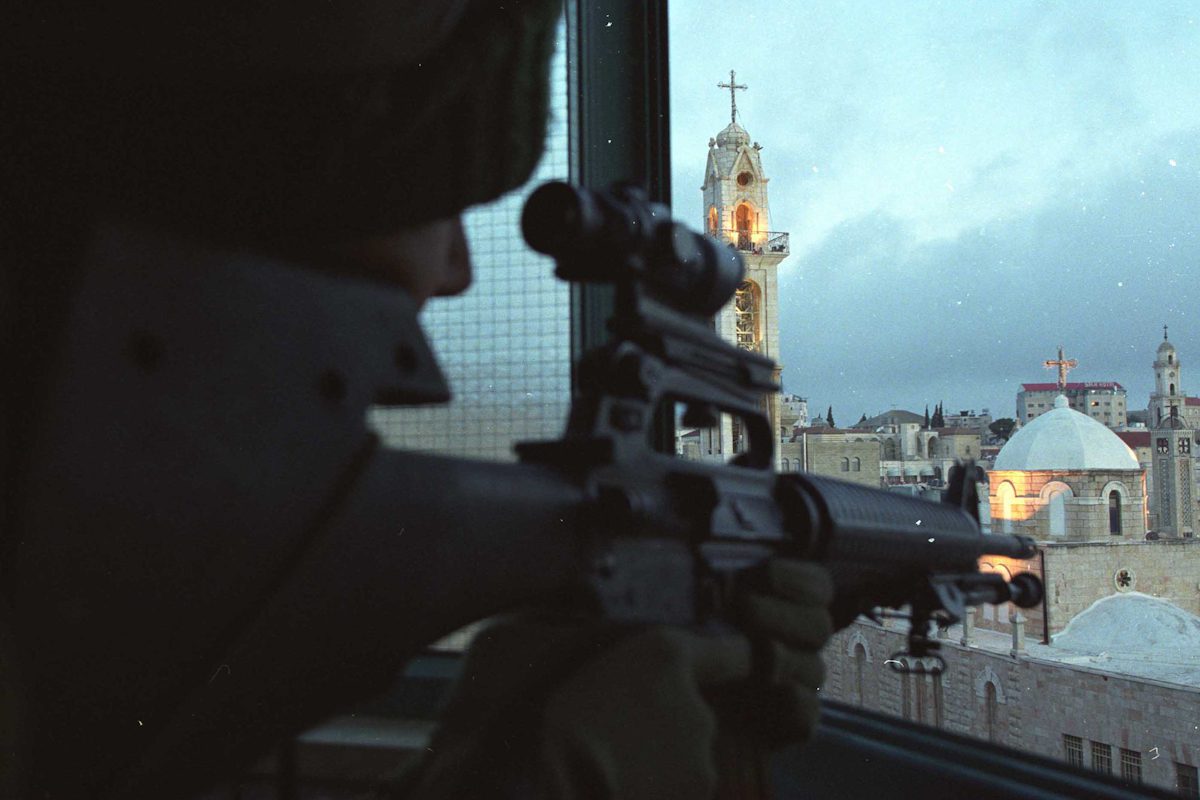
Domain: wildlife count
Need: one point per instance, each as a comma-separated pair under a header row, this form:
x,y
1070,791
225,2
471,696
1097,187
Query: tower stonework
x,y
738,213
1172,445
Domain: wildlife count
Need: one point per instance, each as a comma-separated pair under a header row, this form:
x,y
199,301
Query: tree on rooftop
x,y
1003,427
939,419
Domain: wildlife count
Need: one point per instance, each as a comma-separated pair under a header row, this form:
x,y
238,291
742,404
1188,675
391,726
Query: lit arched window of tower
x,y
743,221
746,310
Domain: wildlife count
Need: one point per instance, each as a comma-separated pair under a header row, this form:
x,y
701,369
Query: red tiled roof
x,y
1134,438
1077,385
1191,401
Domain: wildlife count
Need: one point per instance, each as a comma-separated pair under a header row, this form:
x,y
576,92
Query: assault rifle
x,y
668,536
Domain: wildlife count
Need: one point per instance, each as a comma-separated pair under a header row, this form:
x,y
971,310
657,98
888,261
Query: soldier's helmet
x,y
288,120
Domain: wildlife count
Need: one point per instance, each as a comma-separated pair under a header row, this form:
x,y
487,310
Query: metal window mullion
x,y
619,127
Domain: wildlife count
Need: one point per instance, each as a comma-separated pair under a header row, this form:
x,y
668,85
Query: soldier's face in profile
x,y
429,260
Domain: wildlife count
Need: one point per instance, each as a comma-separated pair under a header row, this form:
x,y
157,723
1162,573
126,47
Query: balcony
x,y
767,242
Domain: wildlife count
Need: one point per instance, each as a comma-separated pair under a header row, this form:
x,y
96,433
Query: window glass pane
x,y
934,208
504,346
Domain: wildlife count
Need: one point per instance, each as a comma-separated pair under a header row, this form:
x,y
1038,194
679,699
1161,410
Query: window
x,y
1131,765
1102,757
1073,747
845,464
1186,780
990,710
860,670
857,465
786,465
1163,446
1185,445
1058,514
514,321
1114,512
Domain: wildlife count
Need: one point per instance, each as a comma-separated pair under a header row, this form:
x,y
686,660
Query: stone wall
x,y
1035,702
957,445
836,455
1086,511
1082,573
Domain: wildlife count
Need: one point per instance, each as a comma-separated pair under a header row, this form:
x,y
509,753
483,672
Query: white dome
x,y
1065,439
1133,623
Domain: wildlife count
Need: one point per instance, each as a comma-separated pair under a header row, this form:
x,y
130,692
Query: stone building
x,y
1075,487
851,455
1066,477
1116,693
737,211
969,419
1103,401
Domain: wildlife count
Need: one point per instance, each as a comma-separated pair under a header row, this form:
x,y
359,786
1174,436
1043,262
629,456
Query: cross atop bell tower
x,y
732,86
1064,365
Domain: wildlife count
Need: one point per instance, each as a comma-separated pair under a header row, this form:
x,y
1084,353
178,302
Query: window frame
x,y
619,102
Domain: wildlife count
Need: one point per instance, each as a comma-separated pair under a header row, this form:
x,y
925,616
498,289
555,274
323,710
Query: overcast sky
x,y
967,186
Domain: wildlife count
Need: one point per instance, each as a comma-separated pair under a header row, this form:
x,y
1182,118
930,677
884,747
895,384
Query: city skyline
x,y
966,189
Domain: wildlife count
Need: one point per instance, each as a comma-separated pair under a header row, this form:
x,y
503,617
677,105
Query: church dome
x,y
1133,623
1166,347
734,135
1067,440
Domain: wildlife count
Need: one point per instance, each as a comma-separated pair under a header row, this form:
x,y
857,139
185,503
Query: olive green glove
x,y
550,707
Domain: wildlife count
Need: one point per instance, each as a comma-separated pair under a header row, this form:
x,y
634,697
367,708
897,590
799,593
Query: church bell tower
x,y
1168,382
737,212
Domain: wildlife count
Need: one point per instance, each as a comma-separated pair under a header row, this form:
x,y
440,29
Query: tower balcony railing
x,y
760,243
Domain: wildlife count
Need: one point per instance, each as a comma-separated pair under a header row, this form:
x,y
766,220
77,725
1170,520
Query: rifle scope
x,y
616,235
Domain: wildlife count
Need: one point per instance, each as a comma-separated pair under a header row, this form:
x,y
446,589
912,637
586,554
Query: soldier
x,y
200,205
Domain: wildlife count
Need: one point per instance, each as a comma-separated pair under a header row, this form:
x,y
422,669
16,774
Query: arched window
x,y
856,466
1058,514
990,710
1054,496
787,466
1114,512
938,702
1172,389
712,219
860,673
845,464
1006,502
746,303
744,223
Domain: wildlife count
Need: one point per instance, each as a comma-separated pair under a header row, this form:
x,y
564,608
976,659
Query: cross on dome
x,y
1063,365
732,86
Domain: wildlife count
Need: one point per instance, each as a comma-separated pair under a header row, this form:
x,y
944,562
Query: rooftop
x,y
1072,386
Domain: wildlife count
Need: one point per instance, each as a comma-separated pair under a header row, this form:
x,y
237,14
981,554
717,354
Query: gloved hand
x,y
565,708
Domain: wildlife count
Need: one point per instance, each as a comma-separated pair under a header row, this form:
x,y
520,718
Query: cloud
x,y
875,315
